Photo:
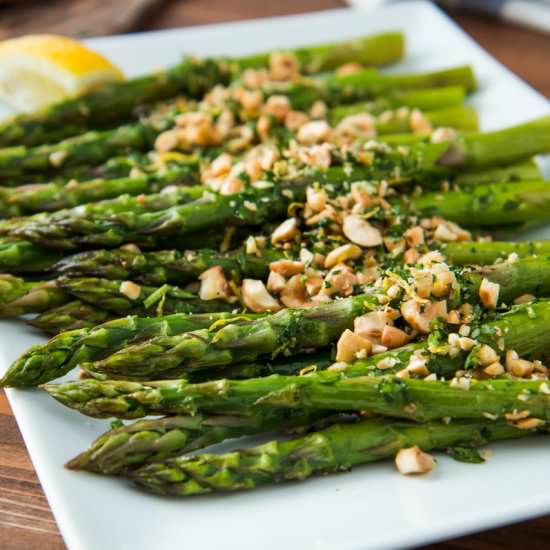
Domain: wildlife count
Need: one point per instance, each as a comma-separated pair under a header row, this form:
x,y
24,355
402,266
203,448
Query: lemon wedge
x,y
37,70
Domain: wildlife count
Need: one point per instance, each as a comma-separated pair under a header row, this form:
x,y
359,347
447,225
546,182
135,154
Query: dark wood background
x,y
26,522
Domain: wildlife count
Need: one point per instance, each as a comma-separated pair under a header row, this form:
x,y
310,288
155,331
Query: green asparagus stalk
x,y
42,197
18,297
332,450
368,84
373,50
45,362
24,257
526,276
70,316
123,449
484,253
387,395
120,205
251,207
192,78
489,205
124,205
424,100
93,147
520,171
288,331
146,300
499,147
355,388
165,266
513,203
462,118
291,330
296,364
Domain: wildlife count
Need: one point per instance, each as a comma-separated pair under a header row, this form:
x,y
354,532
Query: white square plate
x,y
372,507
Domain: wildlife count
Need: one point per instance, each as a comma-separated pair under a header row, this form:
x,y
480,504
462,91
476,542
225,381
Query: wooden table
x,y
26,522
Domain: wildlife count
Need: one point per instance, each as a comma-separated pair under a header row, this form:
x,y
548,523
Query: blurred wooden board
x,y
73,17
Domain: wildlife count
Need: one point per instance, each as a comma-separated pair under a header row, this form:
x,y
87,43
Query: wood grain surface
x,y
26,522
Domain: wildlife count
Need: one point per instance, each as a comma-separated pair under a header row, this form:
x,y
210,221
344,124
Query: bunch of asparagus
x,y
299,244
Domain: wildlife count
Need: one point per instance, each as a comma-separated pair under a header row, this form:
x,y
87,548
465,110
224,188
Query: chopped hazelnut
x,y
393,337
442,135
130,290
286,268
283,66
342,254
213,284
315,131
419,316
316,199
487,355
349,344
277,106
361,232
294,293
275,282
294,120
488,293
494,369
412,460
257,298
285,232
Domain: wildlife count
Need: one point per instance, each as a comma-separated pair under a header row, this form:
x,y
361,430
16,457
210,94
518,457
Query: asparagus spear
x,y
18,297
164,266
424,100
23,256
122,204
70,316
42,197
483,253
526,276
462,118
288,331
387,395
523,170
368,84
92,147
123,449
378,49
250,207
254,206
291,330
334,449
500,205
95,147
64,352
192,78
144,300
357,387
